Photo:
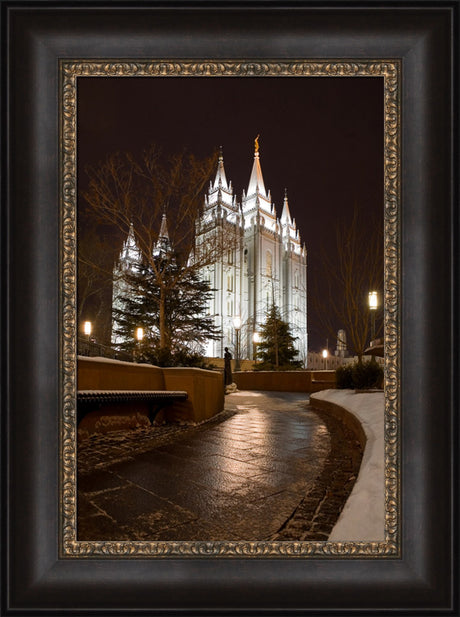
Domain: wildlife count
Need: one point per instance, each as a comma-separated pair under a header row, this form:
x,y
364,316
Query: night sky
x,y
320,137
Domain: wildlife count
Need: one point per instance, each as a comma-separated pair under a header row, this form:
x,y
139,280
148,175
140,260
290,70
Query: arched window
x,y
296,278
268,263
229,308
229,282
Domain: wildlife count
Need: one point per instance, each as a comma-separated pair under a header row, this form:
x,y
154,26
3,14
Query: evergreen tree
x,y
276,349
187,327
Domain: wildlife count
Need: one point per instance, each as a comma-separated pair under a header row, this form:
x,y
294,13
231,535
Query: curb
x,y
363,516
343,415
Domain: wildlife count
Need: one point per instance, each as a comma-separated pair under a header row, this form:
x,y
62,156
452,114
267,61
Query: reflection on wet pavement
x,y
240,479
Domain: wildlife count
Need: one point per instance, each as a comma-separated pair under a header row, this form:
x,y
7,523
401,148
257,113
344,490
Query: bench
x,y
92,400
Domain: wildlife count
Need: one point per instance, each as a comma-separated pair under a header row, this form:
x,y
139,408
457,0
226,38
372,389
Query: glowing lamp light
x,y
140,334
373,300
325,353
256,337
237,322
87,327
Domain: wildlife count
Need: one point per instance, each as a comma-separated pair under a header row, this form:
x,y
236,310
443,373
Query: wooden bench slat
x,y
128,395
88,399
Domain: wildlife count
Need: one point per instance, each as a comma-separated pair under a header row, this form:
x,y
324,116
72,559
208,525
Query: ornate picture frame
x,y
43,570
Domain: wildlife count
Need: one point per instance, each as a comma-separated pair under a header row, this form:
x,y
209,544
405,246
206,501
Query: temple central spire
x,y
256,181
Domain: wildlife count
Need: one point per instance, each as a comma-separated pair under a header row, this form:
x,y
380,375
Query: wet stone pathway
x,y
268,468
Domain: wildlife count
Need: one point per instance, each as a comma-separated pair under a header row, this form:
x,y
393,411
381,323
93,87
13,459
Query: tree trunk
x,y
162,319
276,349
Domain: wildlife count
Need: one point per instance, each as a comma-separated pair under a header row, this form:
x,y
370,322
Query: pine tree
x,y
187,327
276,349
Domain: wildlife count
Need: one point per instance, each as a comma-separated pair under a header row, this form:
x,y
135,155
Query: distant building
x,y
317,362
341,350
131,259
267,263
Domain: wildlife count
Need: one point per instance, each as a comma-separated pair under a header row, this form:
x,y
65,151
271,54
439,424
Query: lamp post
x,y
373,304
139,337
255,340
325,355
237,326
87,328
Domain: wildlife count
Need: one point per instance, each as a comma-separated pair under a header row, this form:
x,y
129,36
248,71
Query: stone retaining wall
x,y
107,374
285,381
205,391
343,415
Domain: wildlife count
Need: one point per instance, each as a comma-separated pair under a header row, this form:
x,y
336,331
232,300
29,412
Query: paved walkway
x,y
271,468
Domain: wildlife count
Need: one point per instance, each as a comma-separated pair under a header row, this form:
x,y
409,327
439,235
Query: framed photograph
x,y
372,88
316,98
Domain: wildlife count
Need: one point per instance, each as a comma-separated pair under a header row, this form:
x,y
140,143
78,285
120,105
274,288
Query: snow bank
x,y
363,517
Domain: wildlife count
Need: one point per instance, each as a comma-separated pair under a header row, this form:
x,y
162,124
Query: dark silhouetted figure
x,y
228,379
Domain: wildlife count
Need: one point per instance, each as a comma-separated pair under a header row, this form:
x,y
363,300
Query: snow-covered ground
x,y
363,517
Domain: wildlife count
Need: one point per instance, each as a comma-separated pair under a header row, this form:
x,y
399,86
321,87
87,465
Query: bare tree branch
x,y
126,190
340,300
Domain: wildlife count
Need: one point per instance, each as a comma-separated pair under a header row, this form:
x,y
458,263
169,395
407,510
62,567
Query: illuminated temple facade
x,y
265,263
256,260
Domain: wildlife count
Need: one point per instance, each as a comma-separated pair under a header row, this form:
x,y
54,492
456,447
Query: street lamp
x,y
325,355
256,341
237,326
373,304
139,337
87,327
86,348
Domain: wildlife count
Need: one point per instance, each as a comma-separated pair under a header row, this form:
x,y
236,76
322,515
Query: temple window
x,y
268,263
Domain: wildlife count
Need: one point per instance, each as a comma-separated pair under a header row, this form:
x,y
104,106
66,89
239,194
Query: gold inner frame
x,y
70,70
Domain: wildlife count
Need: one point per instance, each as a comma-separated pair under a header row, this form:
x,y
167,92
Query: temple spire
x,y
256,181
163,235
286,215
130,252
221,179
162,245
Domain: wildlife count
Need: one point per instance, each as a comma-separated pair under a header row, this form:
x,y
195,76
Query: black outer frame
x,y
35,580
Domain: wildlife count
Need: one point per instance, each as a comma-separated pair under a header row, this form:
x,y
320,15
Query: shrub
x,y
344,376
367,375
180,357
359,376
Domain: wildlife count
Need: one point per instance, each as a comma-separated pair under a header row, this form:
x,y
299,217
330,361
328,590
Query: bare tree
x,y
94,275
340,298
125,190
